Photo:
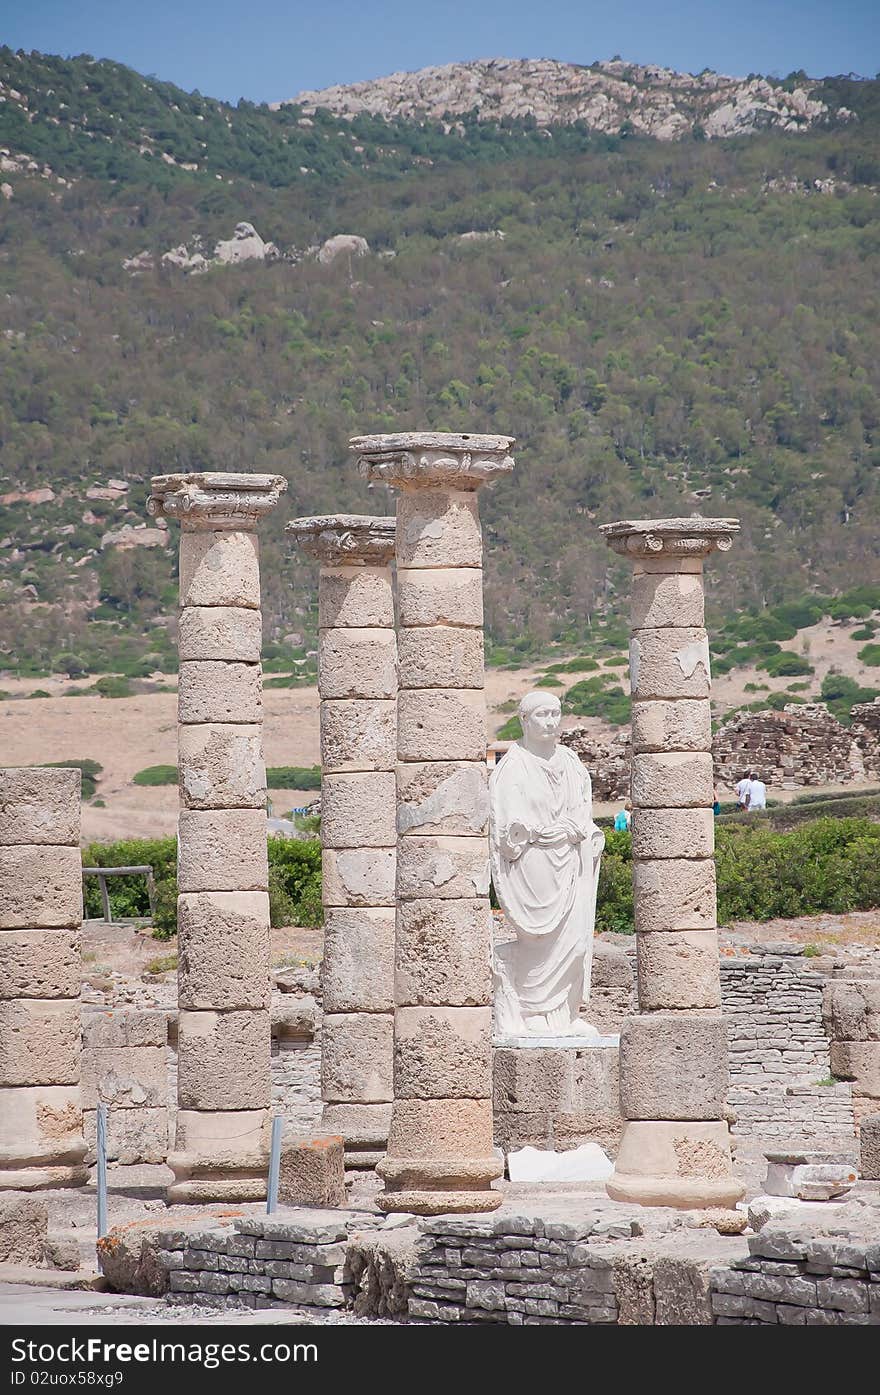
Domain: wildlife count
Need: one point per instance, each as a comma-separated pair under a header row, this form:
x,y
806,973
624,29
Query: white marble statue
x,y
545,851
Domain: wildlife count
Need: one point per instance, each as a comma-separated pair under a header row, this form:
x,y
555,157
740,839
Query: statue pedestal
x,y
556,1093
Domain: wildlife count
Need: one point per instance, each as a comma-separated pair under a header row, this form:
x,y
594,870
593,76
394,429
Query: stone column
x,y
41,1124
440,1152
223,1091
357,681
675,1149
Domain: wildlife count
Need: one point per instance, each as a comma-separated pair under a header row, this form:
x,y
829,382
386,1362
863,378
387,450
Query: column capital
x,y
432,459
215,498
670,537
345,539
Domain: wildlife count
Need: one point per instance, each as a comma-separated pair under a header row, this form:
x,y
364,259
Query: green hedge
x,y
156,775
294,881
786,816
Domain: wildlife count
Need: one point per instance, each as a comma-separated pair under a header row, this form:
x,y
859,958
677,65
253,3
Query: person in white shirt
x,y
757,796
742,792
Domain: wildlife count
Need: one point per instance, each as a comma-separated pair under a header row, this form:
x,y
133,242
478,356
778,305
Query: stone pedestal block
x,y
442,953
685,725
40,964
672,780
357,973
442,596
851,1008
357,810
205,839
674,894
39,806
448,724
446,797
443,1053
223,1060
358,663
356,1058
359,734
858,1061
675,1163
676,1062
221,766
556,1098
219,692
312,1172
667,600
220,634
219,1155
678,969
675,833
668,664
223,949
442,656
40,887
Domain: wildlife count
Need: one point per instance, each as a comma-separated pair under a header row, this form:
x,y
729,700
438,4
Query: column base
x,y
42,1179
220,1156
685,1164
41,1138
438,1186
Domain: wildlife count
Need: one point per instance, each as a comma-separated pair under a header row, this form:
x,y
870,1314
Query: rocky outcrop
x,y
343,243
245,245
607,97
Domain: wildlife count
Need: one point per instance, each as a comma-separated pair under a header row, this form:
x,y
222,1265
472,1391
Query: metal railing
x,y
102,873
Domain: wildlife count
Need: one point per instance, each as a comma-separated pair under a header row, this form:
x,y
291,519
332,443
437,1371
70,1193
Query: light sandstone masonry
x,y
41,1118
675,1147
357,682
440,1156
223,1080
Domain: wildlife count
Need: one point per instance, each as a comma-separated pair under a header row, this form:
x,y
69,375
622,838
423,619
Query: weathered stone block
x,y
681,833
223,949
356,1057
672,726
221,766
218,633
218,691
448,1128
683,1163
438,528
125,1077
441,725
40,964
39,806
869,1148
669,664
40,1120
858,1061
443,867
24,1227
674,779
355,597
442,596
678,969
223,1060
222,850
443,1053
357,810
312,1172
851,1008
363,1126
357,663
443,797
358,734
39,1041
358,876
440,656
103,1029
210,1135
673,1067
672,599
442,952
219,569
538,1081
357,972
674,894
40,887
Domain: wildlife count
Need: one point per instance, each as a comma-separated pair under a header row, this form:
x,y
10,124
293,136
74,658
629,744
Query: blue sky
x,y
275,48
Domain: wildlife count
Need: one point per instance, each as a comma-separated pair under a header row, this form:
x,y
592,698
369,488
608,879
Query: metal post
x,y
101,1148
274,1165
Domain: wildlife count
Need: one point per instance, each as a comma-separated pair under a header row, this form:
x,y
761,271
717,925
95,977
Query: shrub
x,y
112,686
827,865
293,777
591,698
786,664
870,655
841,694
864,632
617,661
548,680
583,664
295,880
156,775
511,731
614,900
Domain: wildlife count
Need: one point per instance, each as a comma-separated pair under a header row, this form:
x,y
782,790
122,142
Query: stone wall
x,y
124,1065
608,761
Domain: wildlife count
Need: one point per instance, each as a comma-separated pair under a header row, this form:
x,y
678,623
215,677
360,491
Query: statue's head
x,y
540,715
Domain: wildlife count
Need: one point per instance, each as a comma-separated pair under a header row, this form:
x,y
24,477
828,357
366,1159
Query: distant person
x,y
622,819
742,792
716,803
757,793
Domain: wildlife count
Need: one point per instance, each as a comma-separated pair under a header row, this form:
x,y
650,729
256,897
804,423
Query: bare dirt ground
x,y
128,734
